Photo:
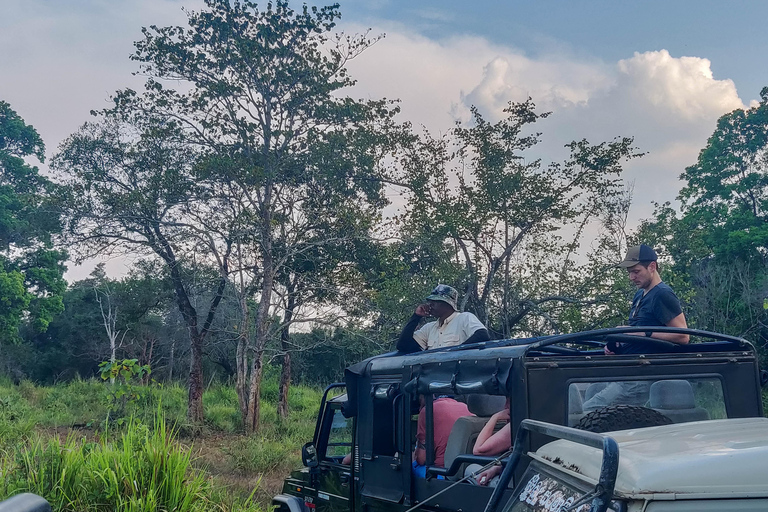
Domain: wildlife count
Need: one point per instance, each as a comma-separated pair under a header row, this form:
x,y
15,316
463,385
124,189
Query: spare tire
x,y
621,417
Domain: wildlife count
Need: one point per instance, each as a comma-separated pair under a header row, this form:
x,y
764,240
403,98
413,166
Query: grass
x,y
56,443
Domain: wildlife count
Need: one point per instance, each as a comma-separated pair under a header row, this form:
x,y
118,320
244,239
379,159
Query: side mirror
x,y
763,377
309,455
26,502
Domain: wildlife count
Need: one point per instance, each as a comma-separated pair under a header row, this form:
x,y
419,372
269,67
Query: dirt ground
x,y
210,454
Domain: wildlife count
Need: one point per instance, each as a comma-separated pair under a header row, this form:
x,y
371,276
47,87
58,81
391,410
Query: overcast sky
x,y
660,71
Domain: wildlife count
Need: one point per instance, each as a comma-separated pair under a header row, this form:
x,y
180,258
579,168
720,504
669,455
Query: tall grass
x,y
144,469
54,441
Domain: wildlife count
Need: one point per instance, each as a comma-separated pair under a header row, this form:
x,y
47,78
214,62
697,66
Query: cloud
x,y
670,105
683,87
554,83
61,59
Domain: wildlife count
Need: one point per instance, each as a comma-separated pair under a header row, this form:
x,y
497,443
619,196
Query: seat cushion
x,y
462,440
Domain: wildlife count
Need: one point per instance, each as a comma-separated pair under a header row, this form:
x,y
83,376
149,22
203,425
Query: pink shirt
x,y
445,413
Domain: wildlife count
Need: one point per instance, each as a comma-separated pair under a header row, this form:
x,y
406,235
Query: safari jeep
x,y
705,466
360,457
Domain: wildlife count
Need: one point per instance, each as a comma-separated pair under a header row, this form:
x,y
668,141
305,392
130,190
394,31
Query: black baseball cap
x,y
637,254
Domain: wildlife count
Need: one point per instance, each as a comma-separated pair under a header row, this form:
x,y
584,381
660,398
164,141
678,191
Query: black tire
x,y
621,417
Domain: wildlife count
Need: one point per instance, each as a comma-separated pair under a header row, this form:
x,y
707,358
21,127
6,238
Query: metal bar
x,y
608,469
573,337
322,407
429,435
462,459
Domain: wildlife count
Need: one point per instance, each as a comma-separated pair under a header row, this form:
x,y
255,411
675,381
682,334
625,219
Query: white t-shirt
x,y
456,329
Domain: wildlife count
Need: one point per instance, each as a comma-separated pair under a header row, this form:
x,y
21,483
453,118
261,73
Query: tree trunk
x,y
285,372
241,382
285,378
195,397
171,361
254,404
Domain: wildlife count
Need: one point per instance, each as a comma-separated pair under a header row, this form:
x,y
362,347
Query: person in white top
x,y
450,328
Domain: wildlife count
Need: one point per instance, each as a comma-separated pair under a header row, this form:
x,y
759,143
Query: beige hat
x,y
446,294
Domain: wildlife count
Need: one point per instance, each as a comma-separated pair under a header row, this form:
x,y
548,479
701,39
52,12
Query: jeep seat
x,y
575,403
465,430
674,399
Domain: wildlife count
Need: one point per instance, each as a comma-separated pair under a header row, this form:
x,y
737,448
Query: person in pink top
x,y
445,413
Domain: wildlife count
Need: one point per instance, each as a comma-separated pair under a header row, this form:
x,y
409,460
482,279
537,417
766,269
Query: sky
x,y
662,72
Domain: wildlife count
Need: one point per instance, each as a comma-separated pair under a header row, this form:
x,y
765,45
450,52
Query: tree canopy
x,y
31,270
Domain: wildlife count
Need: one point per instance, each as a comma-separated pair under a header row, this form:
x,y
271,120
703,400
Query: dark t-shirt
x,y
657,307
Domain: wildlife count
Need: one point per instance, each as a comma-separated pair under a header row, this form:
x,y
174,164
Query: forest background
x,y
278,226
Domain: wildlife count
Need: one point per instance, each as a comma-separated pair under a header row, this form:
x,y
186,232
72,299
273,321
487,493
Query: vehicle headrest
x,y
672,394
485,405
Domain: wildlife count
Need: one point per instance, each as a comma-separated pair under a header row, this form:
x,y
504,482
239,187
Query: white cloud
x,y
60,60
668,104
683,86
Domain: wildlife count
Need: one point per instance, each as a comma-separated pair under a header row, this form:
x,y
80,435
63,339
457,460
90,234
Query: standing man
x,y
654,304
450,328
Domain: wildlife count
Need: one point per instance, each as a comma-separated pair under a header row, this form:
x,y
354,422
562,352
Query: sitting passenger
x,y
445,412
492,443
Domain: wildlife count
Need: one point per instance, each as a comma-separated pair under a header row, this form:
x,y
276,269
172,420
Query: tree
x,y
31,270
268,155
131,189
74,343
507,217
727,189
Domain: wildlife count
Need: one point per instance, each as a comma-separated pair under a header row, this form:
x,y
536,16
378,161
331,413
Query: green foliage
x,y
125,370
31,271
123,375
513,223
96,469
143,470
726,194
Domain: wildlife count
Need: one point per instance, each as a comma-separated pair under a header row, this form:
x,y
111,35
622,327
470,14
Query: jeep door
x,y
333,477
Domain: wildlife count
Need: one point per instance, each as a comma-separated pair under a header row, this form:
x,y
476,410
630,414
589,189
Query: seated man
x,y
492,443
445,412
451,327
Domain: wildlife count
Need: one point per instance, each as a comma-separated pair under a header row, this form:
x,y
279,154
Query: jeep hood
x,y
704,459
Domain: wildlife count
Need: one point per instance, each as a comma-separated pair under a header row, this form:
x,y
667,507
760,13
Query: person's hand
x,y
486,476
502,415
423,310
608,351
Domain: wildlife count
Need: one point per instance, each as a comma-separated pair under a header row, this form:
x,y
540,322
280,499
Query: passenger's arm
x,y
406,343
486,476
487,442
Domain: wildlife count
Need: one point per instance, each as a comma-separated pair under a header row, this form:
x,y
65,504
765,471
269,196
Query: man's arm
x,y
420,452
406,343
473,329
478,336
420,455
678,321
